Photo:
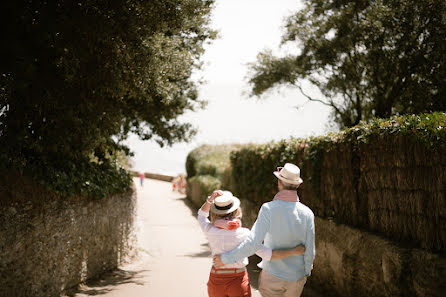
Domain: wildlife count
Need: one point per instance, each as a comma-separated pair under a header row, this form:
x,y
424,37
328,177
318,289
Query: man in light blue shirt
x,y
281,224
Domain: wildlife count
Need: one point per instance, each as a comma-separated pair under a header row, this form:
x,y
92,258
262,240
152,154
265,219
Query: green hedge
x,y
209,160
386,176
208,168
200,186
252,165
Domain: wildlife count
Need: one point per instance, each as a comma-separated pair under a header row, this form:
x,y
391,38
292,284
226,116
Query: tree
x,y
368,58
78,76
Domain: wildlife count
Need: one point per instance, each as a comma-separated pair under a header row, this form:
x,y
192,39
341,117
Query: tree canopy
x,y
78,76
368,58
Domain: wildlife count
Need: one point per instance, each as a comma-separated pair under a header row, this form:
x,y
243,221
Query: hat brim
x,y
235,205
289,181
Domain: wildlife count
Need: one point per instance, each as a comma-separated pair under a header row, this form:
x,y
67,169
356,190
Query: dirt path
x,y
174,255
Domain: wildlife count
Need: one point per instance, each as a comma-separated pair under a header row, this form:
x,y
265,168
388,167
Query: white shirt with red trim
x,y
221,240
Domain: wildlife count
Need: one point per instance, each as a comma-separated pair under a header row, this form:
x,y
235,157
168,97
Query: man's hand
x,y
299,250
217,261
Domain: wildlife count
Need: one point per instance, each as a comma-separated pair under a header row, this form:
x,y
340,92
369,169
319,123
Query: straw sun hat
x,y
225,203
289,173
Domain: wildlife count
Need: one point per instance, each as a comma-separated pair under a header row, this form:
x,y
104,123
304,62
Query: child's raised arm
x,y
207,204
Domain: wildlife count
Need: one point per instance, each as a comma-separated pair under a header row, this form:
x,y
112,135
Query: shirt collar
x,y
287,195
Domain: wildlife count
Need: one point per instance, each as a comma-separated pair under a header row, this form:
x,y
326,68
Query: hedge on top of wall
x,y
387,176
208,168
209,160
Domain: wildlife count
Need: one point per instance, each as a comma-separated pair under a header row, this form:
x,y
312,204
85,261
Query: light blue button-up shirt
x,y
281,225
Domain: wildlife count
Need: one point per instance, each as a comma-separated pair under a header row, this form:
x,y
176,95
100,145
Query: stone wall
x,y
163,177
354,262
49,247
157,176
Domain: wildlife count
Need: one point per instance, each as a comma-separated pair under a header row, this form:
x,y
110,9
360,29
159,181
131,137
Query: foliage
x,y
78,77
123,161
80,177
208,168
252,168
85,178
206,185
428,129
252,165
368,58
209,160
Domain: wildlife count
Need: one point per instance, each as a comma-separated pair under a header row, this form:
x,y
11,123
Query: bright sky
x,y
245,27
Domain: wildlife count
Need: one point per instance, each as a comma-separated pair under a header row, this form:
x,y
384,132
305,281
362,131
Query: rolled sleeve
x,y
254,241
310,247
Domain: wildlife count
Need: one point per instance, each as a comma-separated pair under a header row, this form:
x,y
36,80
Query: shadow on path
x,y
254,271
108,281
206,253
192,207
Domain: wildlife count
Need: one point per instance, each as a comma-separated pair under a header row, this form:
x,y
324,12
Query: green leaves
x,y
252,165
77,78
368,58
209,160
80,177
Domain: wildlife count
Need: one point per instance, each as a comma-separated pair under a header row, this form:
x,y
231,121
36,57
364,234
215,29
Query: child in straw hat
x,y
224,232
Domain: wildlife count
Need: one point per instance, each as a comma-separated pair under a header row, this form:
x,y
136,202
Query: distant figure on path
x,y
176,183
141,178
182,186
179,184
281,223
224,233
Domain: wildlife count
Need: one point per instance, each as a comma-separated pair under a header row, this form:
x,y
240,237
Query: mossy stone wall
x,y
49,245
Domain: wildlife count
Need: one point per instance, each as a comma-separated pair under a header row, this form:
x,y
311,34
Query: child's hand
x,y
299,250
214,195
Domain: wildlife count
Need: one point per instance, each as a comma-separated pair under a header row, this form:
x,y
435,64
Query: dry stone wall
x,y
48,248
354,262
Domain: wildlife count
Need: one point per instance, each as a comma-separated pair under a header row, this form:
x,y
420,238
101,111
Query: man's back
x,y
290,224
281,224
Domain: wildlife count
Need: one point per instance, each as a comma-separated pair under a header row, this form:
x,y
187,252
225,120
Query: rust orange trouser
x,y
229,285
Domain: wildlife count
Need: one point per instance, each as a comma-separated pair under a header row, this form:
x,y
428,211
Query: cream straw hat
x,y
225,203
289,173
